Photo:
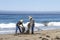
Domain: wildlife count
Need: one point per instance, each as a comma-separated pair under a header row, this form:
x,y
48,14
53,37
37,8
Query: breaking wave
x,y
10,27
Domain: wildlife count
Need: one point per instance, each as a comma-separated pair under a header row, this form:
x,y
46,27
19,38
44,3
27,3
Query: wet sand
x,y
40,35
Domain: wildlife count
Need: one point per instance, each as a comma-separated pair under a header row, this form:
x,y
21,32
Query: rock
x,y
58,38
40,37
48,36
44,39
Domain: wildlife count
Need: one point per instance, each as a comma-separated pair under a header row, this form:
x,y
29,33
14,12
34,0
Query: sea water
x,y
8,21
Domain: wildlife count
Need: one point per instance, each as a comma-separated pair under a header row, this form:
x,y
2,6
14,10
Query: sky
x,y
30,5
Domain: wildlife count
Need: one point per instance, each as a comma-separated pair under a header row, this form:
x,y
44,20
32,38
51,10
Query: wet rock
x,y
40,37
48,36
44,39
58,38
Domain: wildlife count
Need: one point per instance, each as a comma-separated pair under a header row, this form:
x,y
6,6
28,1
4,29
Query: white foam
x,y
11,25
36,24
7,32
53,24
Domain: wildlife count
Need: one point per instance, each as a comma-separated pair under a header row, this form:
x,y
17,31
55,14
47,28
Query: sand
x,y
40,35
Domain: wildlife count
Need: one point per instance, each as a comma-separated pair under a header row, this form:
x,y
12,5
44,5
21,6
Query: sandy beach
x,y
41,35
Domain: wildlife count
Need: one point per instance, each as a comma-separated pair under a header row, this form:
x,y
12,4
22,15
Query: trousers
x,y
32,29
18,28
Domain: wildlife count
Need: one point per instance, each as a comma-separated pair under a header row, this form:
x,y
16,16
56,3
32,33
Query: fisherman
x,y
32,24
19,26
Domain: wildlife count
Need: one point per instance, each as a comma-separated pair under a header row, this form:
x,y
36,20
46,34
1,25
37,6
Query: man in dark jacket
x,y
18,26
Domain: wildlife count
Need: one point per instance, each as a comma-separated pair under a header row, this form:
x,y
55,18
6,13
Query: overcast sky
x,y
30,5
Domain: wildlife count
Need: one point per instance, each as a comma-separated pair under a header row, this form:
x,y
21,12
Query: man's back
x,y
19,23
32,22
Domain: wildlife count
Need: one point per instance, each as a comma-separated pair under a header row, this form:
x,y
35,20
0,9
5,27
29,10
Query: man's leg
x,y
19,29
32,30
28,31
16,29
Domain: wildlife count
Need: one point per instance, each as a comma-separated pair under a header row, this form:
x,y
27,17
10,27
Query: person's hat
x,y
30,17
21,20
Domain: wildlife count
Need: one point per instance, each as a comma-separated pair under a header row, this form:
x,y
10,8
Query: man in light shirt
x,y
32,24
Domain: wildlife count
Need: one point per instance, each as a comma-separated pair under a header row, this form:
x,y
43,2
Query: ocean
x,y
8,21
